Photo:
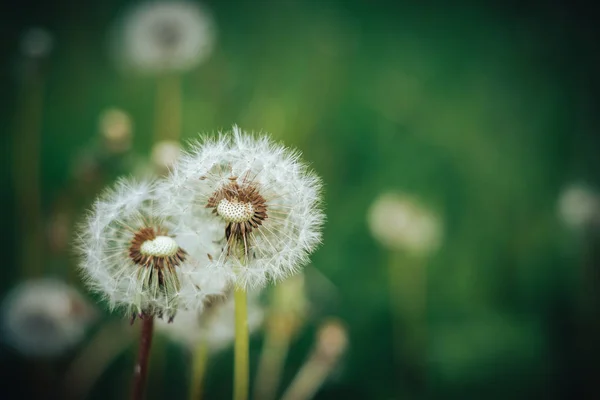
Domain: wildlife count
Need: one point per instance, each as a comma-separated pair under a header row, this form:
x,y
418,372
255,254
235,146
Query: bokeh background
x,y
485,113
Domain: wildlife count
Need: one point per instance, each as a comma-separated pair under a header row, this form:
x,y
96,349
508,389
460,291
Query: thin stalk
x,y
241,358
26,169
140,372
408,296
272,359
92,361
167,125
200,357
308,380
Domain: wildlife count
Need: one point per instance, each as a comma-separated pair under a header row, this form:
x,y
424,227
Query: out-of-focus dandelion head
x,y
116,128
162,36
36,43
258,197
45,317
214,325
332,340
164,155
579,206
399,222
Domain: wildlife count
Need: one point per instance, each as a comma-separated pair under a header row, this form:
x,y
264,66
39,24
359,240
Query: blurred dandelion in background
x,y
165,36
579,207
36,43
410,232
165,39
45,318
164,155
116,128
330,345
400,223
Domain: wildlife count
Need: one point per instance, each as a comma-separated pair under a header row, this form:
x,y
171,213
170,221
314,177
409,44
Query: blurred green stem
x,y
168,108
241,364
26,174
274,353
200,357
408,296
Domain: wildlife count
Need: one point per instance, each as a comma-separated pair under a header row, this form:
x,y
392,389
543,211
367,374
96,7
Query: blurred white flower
x,y
36,43
259,200
45,317
400,223
579,206
165,154
116,128
161,36
131,255
215,325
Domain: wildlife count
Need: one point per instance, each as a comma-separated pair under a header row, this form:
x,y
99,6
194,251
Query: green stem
x,y
168,109
241,361
200,357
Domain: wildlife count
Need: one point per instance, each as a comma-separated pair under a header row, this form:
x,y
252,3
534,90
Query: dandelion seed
x,y
256,198
45,317
132,256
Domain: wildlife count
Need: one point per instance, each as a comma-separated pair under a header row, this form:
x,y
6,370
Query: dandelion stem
x,y
168,108
241,361
27,148
408,294
200,357
140,372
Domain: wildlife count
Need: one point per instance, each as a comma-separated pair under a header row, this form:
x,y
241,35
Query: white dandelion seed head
x,y
258,200
579,206
399,222
36,43
162,36
134,256
215,325
45,317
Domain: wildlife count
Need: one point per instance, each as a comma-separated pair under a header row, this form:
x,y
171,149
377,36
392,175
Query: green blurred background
x,y
484,112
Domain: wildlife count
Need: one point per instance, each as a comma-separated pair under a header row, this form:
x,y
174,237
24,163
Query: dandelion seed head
x,y
131,253
256,198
